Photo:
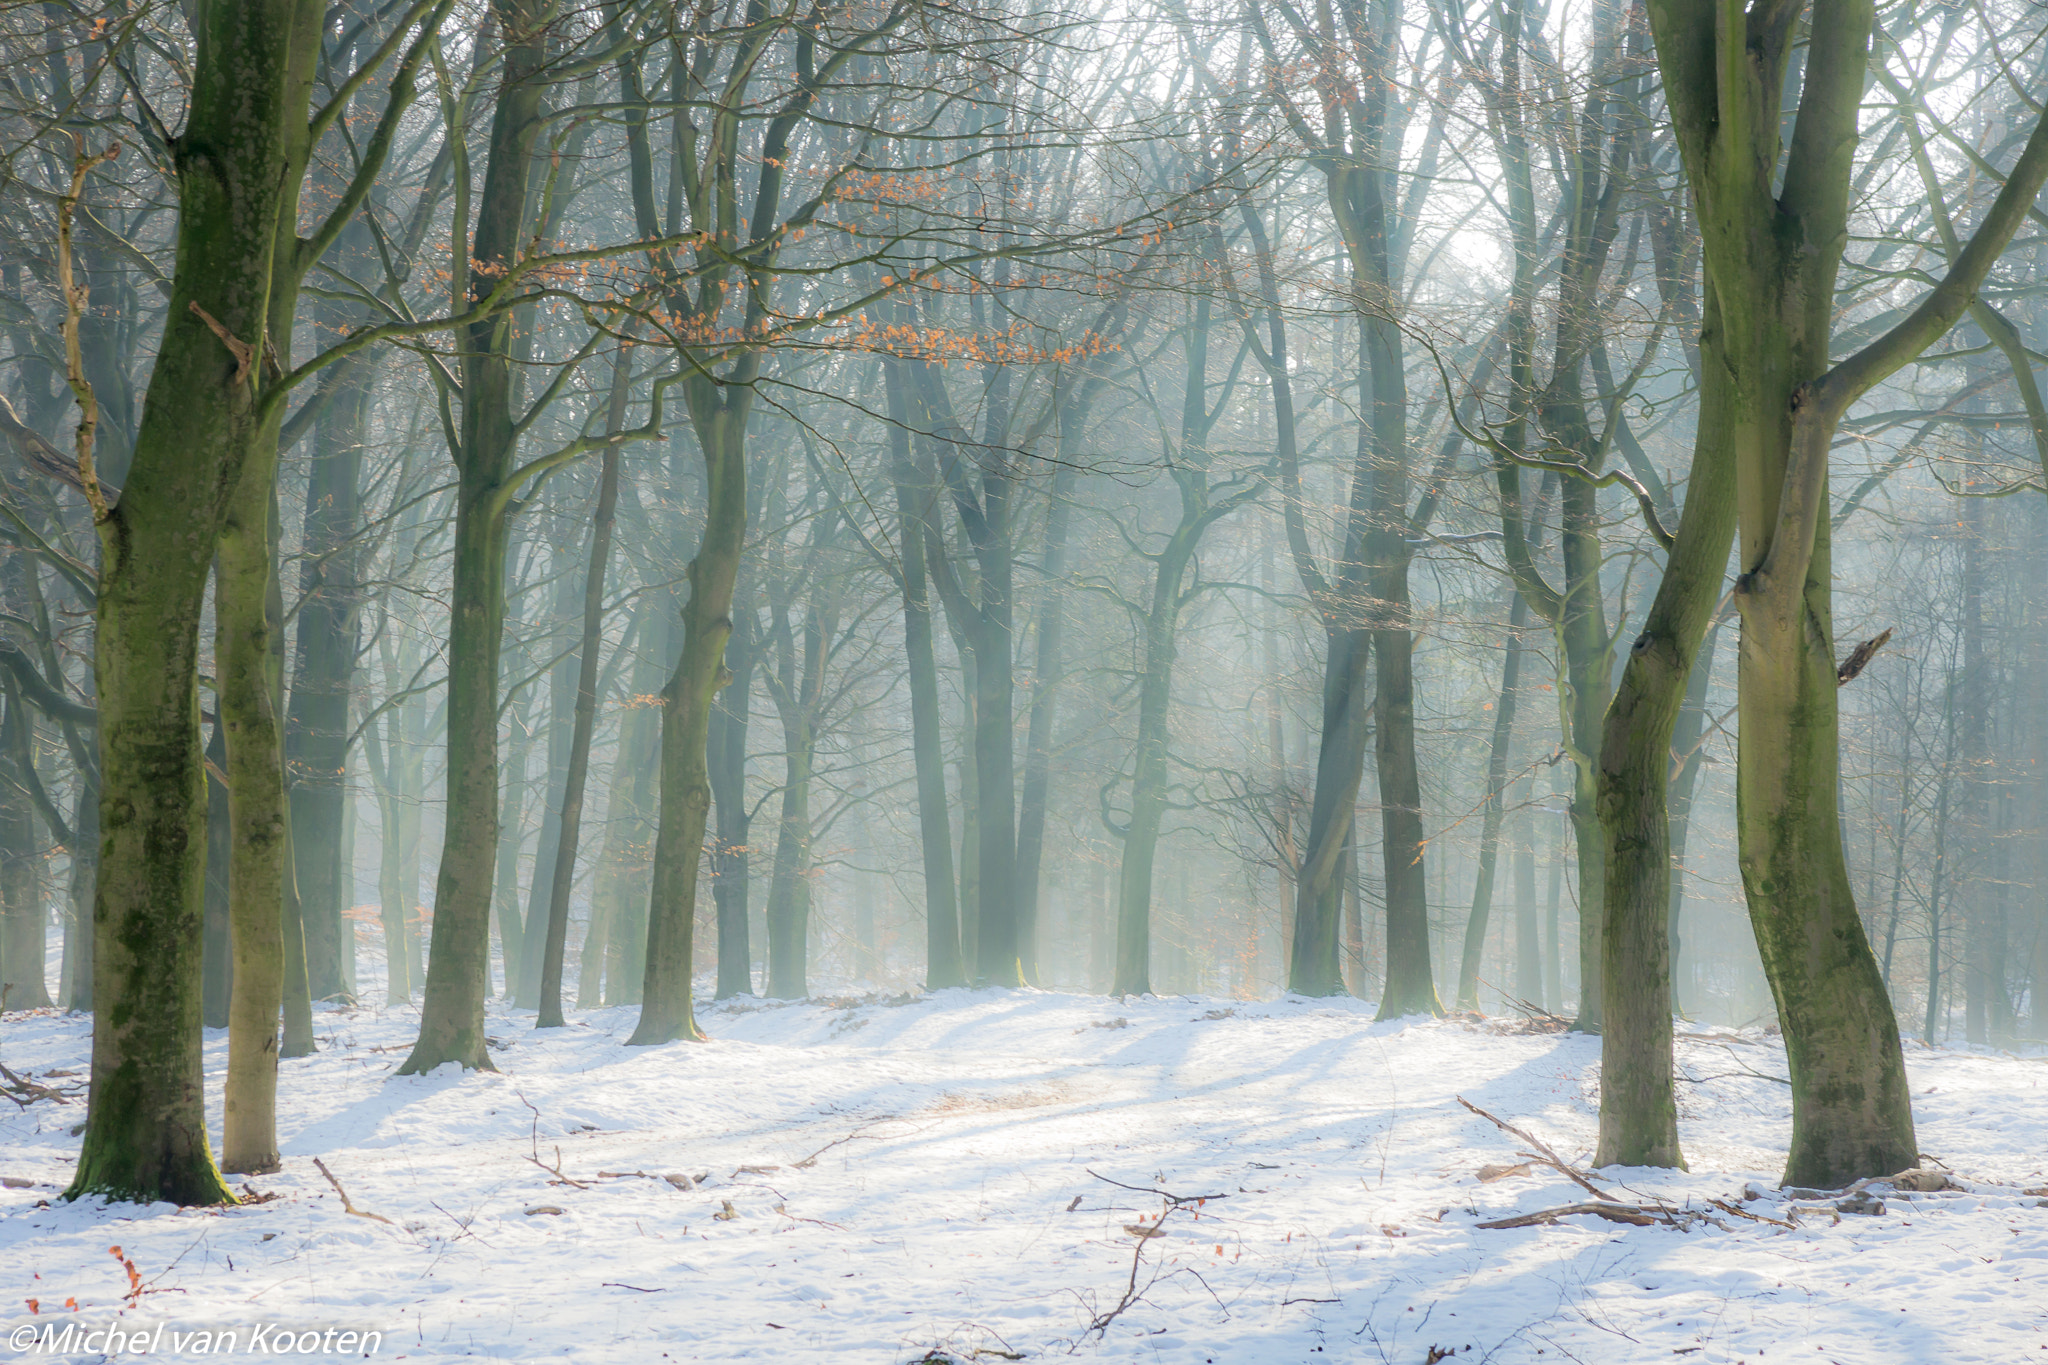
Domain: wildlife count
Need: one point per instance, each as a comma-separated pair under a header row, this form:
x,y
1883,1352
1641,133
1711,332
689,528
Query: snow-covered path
x,y
913,1178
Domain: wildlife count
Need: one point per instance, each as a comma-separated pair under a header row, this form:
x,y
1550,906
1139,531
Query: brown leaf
x,y
1489,1174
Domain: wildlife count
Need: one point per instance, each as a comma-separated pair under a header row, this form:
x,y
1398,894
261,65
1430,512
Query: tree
x,y
1769,417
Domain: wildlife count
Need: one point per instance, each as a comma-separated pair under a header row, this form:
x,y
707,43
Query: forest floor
x,y
965,1176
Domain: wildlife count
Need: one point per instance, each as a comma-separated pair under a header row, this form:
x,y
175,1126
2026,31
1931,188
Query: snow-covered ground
x,y
900,1181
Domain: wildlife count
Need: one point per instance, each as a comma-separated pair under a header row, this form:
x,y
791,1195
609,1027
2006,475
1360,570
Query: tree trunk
x,y
23,945
1313,968
459,956
719,414
217,954
726,763
559,730
789,892
1149,772
915,515
1495,798
323,676
586,713
1045,680
247,695
622,875
1638,1106
1688,745
146,1130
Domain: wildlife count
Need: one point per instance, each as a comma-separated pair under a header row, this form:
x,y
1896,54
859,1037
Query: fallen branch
x,y
1636,1215
533,1139
346,1206
1529,1010
556,1171
1740,1212
1542,1153
25,1092
675,1178
860,1132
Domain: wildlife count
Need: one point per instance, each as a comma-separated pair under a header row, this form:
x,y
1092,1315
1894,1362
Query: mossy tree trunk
x,y
1638,1107
1771,258
145,1131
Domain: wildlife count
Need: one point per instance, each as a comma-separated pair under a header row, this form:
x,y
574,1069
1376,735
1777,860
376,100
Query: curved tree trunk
x,y
1638,1106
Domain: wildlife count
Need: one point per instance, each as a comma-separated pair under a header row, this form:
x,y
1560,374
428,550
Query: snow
x,y
953,1135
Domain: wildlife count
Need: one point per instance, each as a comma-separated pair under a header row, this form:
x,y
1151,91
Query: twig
x,y
1542,1153
74,307
346,1206
534,1138
1175,1199
860,1132
1131,1291
242,351
556,1171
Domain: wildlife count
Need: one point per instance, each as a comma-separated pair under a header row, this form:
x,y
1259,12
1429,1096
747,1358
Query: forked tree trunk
x,y
1771,259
